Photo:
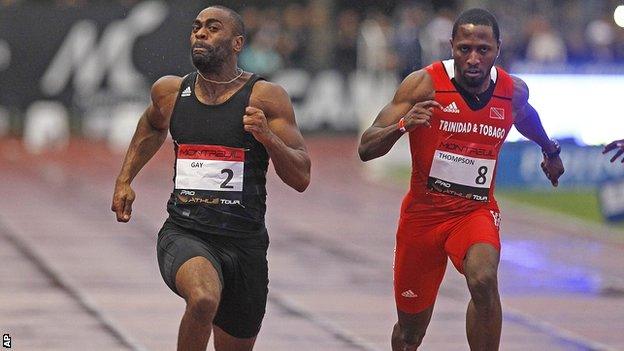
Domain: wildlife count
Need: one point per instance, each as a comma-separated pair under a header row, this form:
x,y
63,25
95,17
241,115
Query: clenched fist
x,y
553,169
255,122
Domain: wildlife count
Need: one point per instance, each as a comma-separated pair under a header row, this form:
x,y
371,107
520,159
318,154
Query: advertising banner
x,y
88,57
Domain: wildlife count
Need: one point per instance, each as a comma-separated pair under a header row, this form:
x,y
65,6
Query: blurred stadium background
x,y
90,64
75,77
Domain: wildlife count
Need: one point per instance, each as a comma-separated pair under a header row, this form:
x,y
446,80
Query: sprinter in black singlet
x,y
226,123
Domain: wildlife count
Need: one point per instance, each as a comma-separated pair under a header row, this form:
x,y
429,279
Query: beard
x,y
474,82
211,59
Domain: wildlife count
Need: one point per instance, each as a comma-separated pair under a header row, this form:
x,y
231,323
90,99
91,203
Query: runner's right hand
x,y
123,198
615,145
420,114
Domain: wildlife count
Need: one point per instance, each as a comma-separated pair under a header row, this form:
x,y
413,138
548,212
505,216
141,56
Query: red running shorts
x,y
422,248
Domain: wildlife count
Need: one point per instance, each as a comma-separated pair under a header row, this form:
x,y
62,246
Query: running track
x,y
75,279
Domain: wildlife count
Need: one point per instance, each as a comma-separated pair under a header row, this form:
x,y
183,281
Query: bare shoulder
x,y
416,87
520,95
164,93
265,90
270,97
165,86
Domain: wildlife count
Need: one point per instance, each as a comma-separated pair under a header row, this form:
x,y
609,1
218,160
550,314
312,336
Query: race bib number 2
x,y
463,169
209,174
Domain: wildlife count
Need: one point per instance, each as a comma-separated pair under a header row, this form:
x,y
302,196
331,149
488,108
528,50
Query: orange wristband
x,y
402,125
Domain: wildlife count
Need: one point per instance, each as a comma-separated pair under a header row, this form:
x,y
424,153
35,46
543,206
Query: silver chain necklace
x,y
227,82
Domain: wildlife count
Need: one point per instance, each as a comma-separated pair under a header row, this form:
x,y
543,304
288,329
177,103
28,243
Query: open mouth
x,y
473,74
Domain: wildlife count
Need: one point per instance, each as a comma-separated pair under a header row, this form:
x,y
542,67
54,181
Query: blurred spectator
x,y
576,47
618,47
544,44
345,50
375,53
600,35
306,34
574,34
321,35
8,3
406,41
292,43
251,17
511,32
261,56
129,3
435,36
71,3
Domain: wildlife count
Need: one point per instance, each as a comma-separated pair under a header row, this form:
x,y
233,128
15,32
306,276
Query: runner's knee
x,y
482,284
202,305
409,335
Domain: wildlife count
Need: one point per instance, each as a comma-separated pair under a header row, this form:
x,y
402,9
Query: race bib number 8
x,y
209,174
463,169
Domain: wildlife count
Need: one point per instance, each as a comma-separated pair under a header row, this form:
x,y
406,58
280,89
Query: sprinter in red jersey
x,y
457,114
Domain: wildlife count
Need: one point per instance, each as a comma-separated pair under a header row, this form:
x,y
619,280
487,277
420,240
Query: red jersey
x,y
454,161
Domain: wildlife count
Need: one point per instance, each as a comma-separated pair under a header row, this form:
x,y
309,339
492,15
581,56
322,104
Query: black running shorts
x,y
242,267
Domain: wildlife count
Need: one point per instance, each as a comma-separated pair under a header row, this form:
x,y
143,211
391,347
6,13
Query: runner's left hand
x,y
255,122
553,168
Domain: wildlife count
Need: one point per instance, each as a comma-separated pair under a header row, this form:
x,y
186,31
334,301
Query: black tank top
x,y
194,124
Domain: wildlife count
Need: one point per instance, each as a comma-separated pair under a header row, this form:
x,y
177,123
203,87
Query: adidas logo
x,y
409,294
497,218
186,92
451,108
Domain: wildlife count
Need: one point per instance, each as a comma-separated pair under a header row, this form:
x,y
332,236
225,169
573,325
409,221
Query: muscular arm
x,y
526,119
147,139
271,119
528,123
150,134
413,101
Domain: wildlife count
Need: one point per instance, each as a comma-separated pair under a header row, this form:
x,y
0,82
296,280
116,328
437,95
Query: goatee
x,y
474,82
210,60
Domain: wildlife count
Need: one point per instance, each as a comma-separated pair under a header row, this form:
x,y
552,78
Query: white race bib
x,y
463,169
209,174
